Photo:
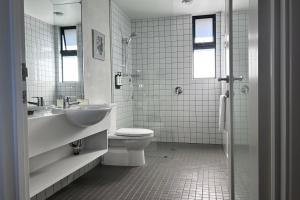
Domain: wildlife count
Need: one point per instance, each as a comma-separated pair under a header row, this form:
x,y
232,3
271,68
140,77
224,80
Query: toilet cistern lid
x,y
134,132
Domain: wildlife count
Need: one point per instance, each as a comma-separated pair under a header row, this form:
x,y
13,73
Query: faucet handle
x,y
40,101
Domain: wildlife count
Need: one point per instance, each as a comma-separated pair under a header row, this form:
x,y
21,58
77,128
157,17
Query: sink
x,y
86,115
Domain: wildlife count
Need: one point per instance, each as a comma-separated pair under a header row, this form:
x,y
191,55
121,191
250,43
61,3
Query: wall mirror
x,y
54,55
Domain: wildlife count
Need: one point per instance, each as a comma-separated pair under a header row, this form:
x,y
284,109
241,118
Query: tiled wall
x,y
240,66
121,28
39,40
162,60
73,89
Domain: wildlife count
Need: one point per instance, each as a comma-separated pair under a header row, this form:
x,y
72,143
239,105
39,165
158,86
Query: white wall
x,y
97,73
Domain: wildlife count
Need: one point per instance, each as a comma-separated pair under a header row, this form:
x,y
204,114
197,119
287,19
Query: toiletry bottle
x,y
60,102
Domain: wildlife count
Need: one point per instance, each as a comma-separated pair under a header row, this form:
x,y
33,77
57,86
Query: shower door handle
x,y
227,78
239,78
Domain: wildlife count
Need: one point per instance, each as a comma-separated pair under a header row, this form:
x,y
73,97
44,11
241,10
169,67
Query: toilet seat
x,y
134,132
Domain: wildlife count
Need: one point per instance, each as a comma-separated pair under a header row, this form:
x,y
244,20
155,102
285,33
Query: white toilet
x,y
126,145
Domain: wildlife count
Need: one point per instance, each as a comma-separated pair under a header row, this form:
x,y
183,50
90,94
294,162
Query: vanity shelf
x,y
50,174
49,167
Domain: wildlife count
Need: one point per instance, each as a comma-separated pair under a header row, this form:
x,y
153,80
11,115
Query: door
x,y
243,105
242,123
239,90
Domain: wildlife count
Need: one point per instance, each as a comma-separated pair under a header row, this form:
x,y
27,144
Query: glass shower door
x,y
244,161
239,97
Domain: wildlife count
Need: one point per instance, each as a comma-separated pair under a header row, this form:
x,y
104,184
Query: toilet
x,y
126,145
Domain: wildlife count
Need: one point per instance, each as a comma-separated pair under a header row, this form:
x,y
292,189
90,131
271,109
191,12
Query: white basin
x,y
86,115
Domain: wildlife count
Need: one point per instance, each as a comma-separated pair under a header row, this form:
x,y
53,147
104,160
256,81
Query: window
x,y
204,45
69,60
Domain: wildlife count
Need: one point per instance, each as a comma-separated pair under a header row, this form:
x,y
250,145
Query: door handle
x,y
239,78
227,78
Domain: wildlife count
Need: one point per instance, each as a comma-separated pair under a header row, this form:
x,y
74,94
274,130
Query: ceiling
x,y
43,10
139,9
71,14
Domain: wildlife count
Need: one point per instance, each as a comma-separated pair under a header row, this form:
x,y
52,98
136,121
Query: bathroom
x,y
149,62
141,99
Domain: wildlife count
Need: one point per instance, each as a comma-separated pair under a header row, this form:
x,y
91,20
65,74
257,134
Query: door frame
x,y
289,173
14,167
264,78
279,98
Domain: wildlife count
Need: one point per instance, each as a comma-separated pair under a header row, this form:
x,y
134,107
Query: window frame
x,y
65,53
204,45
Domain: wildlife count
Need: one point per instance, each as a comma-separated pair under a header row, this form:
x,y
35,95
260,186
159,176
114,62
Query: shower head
x,y
186,1
128,40
132,35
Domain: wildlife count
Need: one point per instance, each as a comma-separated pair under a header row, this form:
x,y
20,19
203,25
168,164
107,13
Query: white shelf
x,y
50,174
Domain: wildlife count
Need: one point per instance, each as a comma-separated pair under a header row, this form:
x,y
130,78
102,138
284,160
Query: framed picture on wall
x,y
98,45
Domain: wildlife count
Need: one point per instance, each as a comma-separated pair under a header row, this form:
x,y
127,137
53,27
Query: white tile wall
x,y
121,28
39,44
162,60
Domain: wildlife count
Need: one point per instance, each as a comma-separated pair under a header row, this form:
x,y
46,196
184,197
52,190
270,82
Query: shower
x,y
125,45
128,40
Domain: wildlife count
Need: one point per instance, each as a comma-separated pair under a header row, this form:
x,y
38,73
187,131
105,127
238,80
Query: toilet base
x,y
124,157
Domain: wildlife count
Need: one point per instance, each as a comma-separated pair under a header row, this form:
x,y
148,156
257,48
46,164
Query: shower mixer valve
x,y
178,90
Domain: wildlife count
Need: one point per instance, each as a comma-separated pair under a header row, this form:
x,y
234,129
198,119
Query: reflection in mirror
x,y
53,41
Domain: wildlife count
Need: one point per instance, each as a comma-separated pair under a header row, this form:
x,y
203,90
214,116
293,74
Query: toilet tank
x,y
113,118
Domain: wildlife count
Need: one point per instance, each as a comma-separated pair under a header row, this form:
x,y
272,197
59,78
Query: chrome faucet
x,y
40,101
68,103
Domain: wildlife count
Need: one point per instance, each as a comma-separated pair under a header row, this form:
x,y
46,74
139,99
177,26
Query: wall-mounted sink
x,y
86,115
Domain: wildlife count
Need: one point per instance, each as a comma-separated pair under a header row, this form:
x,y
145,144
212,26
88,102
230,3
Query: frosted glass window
x,y
204,30
70,68
204,63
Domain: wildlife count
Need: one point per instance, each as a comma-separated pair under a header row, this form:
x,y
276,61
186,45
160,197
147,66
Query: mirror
x,y
54,56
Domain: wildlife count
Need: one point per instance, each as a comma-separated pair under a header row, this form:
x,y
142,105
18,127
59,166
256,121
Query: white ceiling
x,y
139,9
71,16
43,10
40,9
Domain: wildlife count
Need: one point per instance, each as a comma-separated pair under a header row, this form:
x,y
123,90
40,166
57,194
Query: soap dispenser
x,y
118,80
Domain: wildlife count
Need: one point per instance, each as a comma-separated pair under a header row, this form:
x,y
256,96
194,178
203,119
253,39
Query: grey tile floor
x,y
173,172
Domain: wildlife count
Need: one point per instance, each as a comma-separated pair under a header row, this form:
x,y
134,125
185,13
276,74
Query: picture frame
x,y
98,45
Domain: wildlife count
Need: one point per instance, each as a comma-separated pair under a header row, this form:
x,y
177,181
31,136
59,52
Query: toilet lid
x,y
134,132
